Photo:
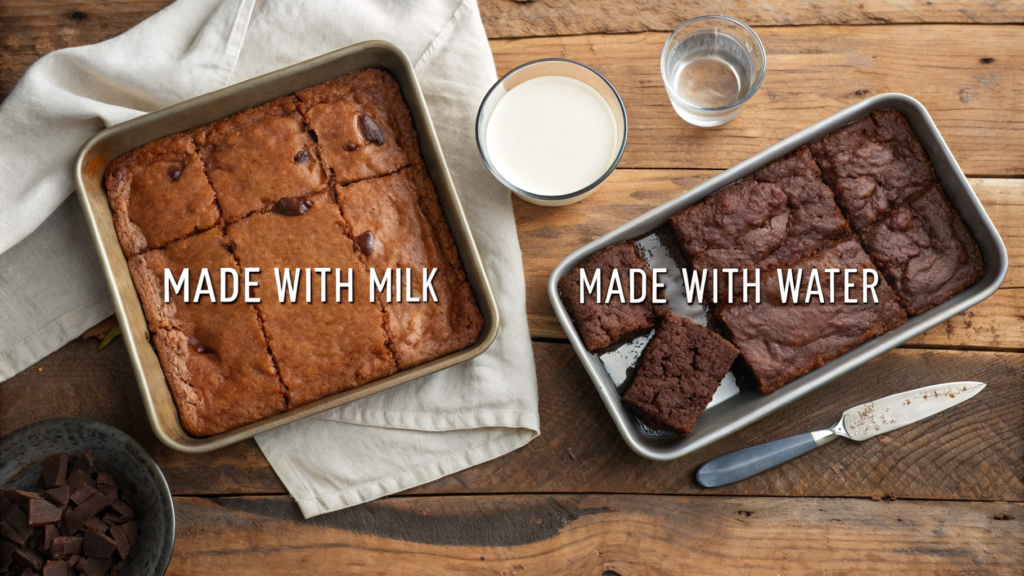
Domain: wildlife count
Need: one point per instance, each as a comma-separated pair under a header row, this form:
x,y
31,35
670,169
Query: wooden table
x,y
946,495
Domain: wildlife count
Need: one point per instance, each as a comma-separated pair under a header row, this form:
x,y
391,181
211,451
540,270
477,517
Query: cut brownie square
x,y
362,126
259,156
601,325
214,354
679,372
159,193
320,347
814,217
874,165
398,223
925,251
780,342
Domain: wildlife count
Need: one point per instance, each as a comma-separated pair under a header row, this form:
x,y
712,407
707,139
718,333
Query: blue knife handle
x,y
742,464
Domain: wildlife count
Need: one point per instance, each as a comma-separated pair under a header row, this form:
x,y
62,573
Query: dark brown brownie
x,y
925,251
780,342
159,193
679,372
874,165
259,156
814,216
601,325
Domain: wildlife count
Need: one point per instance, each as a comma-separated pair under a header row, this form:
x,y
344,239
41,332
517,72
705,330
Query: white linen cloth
x,y
51,289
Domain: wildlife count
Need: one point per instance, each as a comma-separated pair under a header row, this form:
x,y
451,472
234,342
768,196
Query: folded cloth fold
x,y
379,445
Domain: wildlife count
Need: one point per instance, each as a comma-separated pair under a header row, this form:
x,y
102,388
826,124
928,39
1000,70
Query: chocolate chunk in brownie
x,y
874,165
259,156
320,347
780,342
213,354
601,324
679,371
398,224
925,251
159,193
362,126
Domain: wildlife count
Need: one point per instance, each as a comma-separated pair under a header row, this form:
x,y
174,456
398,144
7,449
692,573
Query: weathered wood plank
x,y
974,452
813,72
513,19
997,323
598,535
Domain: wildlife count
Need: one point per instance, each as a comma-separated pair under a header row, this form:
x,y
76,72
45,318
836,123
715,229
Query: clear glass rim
x,y
527,194
753,90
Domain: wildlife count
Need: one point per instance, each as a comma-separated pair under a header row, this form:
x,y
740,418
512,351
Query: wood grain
x,y
974,452
517,19
603,535
813,72
995,324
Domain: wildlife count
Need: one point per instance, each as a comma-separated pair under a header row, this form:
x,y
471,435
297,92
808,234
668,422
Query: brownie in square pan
x,y
159,193
780,342
679,372
397,222
925,251
214,355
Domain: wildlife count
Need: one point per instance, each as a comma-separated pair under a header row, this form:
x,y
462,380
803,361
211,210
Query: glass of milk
x,y
711,66
552,131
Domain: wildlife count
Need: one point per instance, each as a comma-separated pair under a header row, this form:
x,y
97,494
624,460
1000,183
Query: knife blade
x,y
858,423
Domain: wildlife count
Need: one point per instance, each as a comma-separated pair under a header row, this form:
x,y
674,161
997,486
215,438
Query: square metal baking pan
x,y
748,406
106,146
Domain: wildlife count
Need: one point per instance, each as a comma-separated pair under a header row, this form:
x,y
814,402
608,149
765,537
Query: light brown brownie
x,y
362,126
397,222
159,193
320,347
259,156
214,355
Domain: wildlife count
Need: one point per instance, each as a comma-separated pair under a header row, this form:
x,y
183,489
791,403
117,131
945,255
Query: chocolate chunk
x,y
99,545
82,494
17,520
132,529
292,206
366,242
120,534
301,157
80,478
55,568
42,512
72,560
123,512
95,566
173,174
49,533
75,519
11,533
104,478
109,490
21,497
59,495
65,546
371,131
6,551
55,470
94,525
29,559
85,463
350,147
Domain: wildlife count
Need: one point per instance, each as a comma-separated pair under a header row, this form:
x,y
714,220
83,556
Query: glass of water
x,y
711,66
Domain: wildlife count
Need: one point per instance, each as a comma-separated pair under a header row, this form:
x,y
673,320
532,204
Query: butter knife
x,y
858,423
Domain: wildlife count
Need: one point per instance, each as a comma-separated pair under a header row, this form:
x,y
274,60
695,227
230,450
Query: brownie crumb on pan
x,y
601,325
925,251
679,371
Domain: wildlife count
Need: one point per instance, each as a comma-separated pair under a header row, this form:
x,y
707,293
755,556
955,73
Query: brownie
x,y
601,325
814,217
259,156
874,165
780,342
320,347
925,251
679,371
362,126
159,193
213,354
398,223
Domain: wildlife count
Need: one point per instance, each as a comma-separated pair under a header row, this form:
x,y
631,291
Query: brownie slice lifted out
x,y
601,325
214,354
925,251
159,193
679,372
780,342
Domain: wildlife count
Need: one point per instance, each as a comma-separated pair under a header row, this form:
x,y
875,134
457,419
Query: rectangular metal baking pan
x,y
100,150
748,406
